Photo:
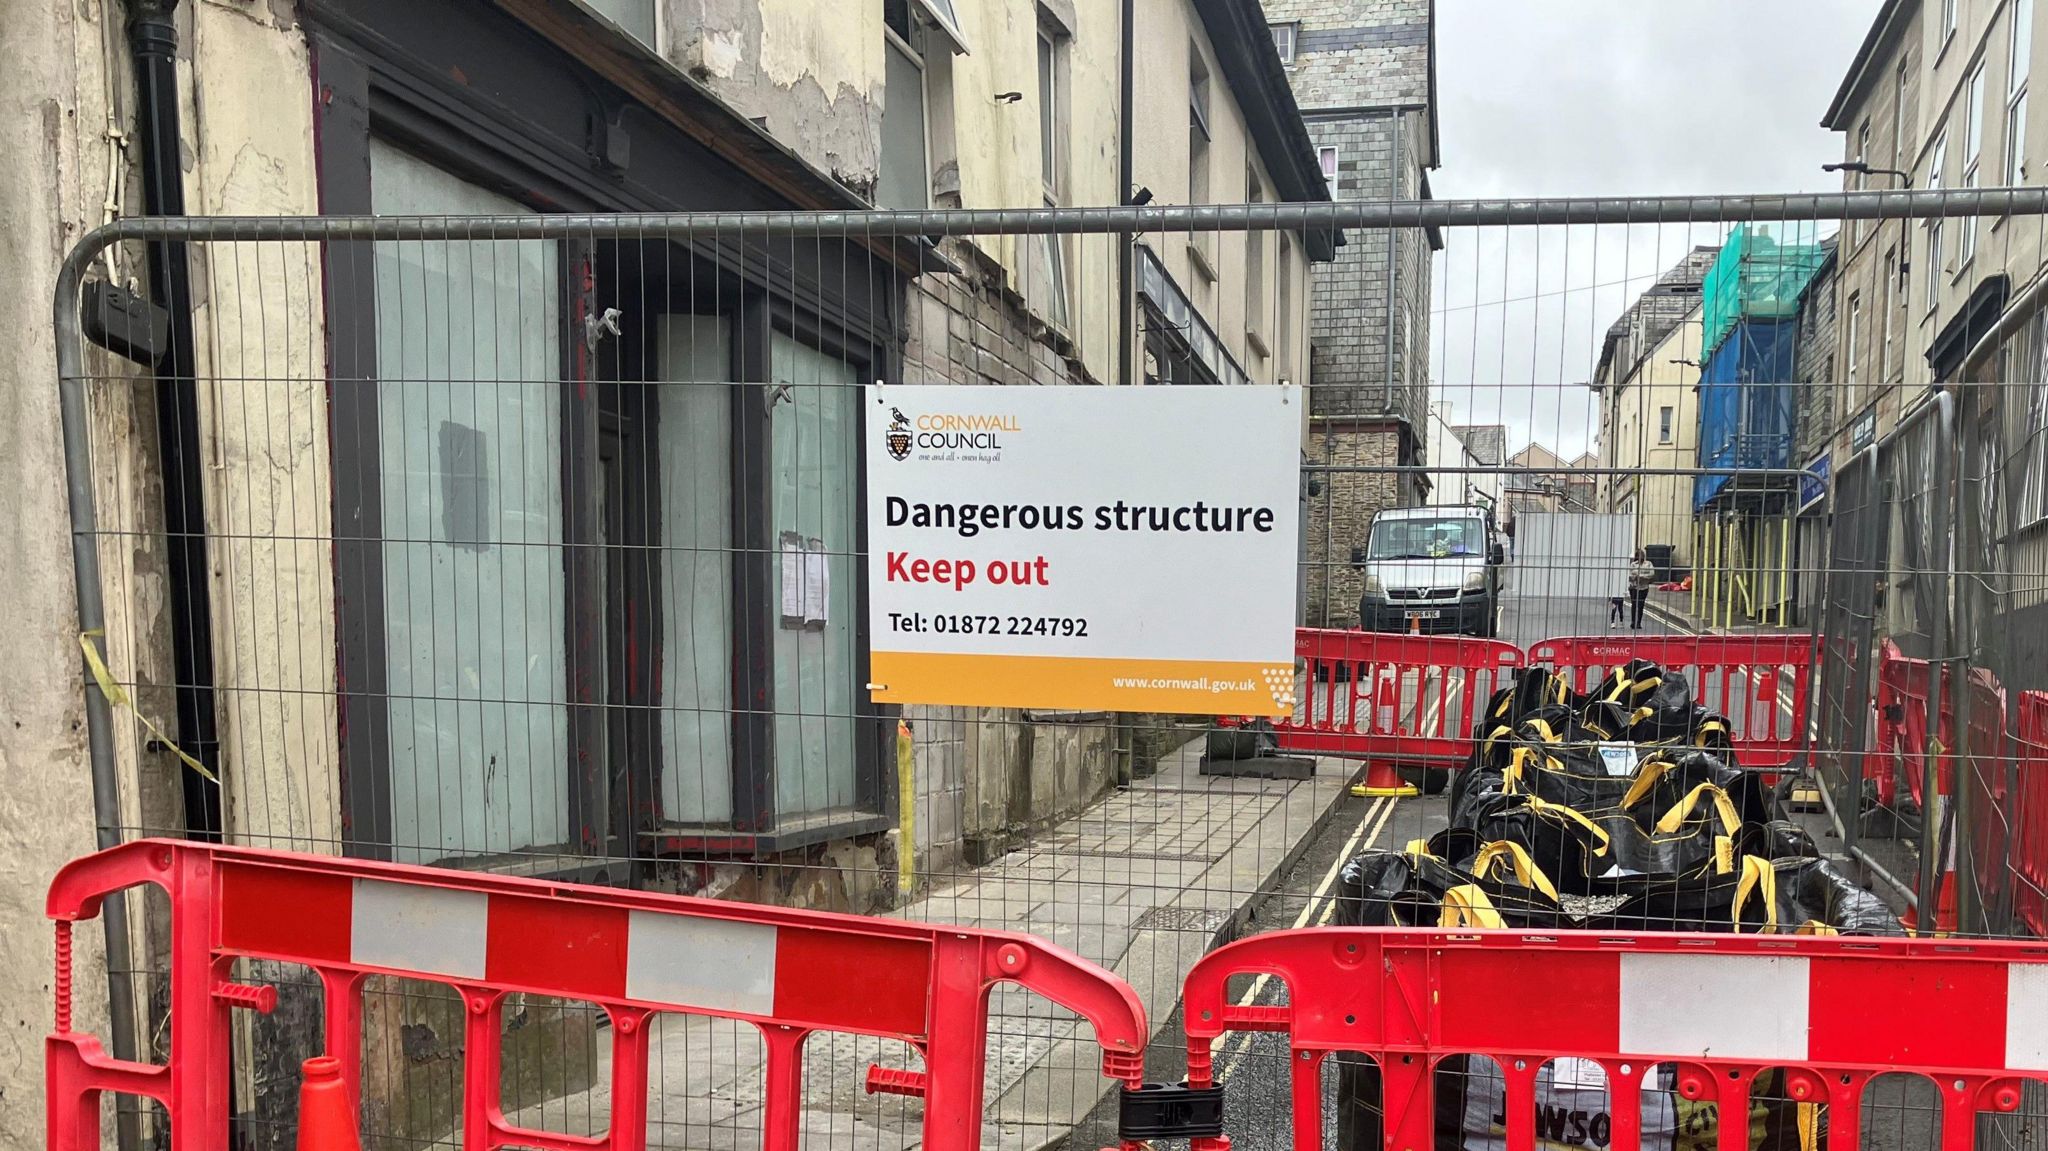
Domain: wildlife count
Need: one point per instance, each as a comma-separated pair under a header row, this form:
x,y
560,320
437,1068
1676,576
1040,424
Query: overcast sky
x,y
1606,97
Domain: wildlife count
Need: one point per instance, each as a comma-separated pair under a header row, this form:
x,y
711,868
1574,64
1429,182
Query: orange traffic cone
x,y
1944,909
327,1116
1381,779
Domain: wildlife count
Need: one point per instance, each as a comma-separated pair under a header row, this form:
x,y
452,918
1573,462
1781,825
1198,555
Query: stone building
x,y
1939,92
1364,73
410,633
1646,379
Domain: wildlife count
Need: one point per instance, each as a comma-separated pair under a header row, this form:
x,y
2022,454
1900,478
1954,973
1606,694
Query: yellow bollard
x,y
1728,564
906,801
1785,572
1699,574
1705,612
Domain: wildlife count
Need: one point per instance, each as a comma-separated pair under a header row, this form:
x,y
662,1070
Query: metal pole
x,y
1785,570
1968,919
1126,252
1937,666
92,621
1352,214
1393,247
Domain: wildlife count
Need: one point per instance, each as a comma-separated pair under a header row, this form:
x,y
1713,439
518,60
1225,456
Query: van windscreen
x,y
1425,539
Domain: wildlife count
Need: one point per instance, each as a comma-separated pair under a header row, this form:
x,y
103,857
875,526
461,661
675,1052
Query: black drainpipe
x,y
153,39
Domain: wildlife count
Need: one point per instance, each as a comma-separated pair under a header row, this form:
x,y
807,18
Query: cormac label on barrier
x,y
1120,549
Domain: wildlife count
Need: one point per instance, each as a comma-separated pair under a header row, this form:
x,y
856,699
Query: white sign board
x,y
1118,549
1573,555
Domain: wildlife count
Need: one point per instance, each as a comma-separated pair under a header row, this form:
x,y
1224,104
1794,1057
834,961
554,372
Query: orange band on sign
x,y
1189,687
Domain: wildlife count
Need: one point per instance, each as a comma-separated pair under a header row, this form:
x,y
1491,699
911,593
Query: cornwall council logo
x,y
898,436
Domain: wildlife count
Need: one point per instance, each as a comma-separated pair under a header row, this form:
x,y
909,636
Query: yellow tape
x,y
906,799
1620,677
1757,876
119,698
1511,779
1516,858
1648,772
1468,906
1573,815
1731,819
1724,854
1493,737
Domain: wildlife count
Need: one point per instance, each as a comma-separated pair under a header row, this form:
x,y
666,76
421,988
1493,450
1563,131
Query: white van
x,y
1432,569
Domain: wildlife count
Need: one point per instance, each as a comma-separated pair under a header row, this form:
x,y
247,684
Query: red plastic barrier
x,y
1903,686
635,955
2030,853
1723,1008
1388,698
1762,682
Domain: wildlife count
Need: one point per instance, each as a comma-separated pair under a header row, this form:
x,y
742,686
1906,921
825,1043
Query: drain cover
x,y
1171,918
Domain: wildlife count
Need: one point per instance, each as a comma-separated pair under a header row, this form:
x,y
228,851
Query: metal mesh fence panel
x,y
537,545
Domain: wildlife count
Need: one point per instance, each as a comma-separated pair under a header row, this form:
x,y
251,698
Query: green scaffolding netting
x,y
1759,275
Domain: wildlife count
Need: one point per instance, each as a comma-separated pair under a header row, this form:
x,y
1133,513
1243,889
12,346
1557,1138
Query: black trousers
x,y
1637,597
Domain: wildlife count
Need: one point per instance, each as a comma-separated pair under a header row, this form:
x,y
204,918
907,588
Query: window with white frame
x,y
1973,154
1255,266
1936,162
634,17
1200,243
1862,181
1854,376
2023,366
2019,60
1326,159
905,178
1666,424
1899,117
1053,121
1283,328
1284,36
943,19
1885,302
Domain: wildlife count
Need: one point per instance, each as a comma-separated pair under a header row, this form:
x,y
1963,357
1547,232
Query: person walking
x,y
1642,575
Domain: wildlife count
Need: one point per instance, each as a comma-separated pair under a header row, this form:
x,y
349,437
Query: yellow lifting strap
x,y
1731,819
1419,848
1624,686
1493,737
1648,772
1543,730
1514,858
1468,906
1559,811
1760,877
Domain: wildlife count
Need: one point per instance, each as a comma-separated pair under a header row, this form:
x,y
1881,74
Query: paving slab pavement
x,y
1143,882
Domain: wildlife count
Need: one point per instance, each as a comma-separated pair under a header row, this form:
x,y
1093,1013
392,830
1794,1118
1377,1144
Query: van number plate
x,y
1430,613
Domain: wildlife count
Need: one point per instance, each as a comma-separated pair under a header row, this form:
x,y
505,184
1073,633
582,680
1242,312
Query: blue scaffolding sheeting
x,y
1747,403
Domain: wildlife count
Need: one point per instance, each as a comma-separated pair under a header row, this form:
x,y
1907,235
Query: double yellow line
x,y
1318,908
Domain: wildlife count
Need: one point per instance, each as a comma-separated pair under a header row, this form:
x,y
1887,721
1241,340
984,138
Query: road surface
x,y
1899,1114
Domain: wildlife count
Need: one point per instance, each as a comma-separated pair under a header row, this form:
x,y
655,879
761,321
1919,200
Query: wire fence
x,y
534,545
